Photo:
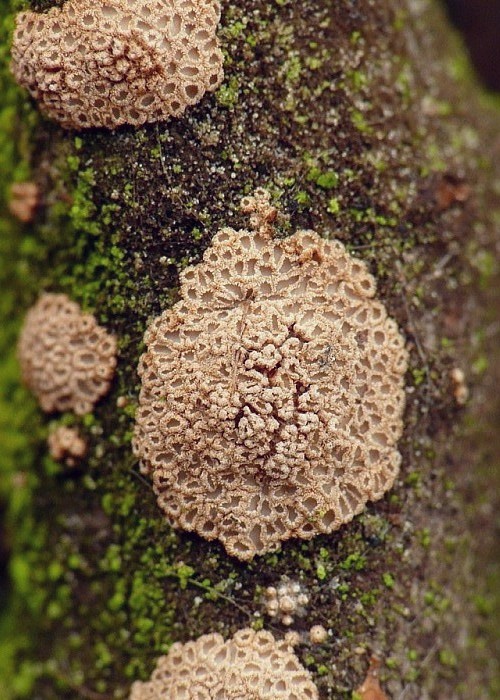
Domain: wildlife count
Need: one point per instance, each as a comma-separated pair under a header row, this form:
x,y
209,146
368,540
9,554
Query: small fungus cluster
x,y
286,601
460,389
105,63
250,666
318,634
272,393
66,358
66,445
24,201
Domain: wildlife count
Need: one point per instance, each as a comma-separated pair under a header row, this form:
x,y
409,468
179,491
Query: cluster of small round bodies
x,y
112,62
66,445
250,666
24,201
66,358
286,601
278,364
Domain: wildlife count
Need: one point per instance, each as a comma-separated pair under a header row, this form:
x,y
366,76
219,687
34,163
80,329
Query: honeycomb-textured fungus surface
x,y
66,358
272,393
250,666
111,62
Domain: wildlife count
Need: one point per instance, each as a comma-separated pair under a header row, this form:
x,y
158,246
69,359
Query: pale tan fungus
x,y
103,63
460,389
122,402
318,634
272,392
292,638
24,201
66,358
66,445
286,601
250,666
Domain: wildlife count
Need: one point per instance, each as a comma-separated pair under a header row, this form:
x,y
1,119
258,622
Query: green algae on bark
x,y
350,114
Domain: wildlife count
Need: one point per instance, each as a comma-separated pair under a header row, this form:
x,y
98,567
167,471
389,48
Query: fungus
x,y
450,190
460,388
286,601
66,445
318,634
250,666
66,358
292,638
24,201
272,392
93,63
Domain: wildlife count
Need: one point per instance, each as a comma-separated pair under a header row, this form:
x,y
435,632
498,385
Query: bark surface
x,y
362,120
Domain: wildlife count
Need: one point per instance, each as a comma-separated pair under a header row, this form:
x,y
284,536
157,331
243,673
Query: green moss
x,y
293,69
321,572
333,206
360,123
324,179
425,537
448,658
388,579
228,93
354,562
19,428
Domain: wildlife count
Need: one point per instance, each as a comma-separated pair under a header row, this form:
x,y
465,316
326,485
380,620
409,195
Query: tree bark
x,y
363,121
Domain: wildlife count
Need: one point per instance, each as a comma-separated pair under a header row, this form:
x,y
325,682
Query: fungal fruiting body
x,y
286,601
272,392
66,445
24,201
66,358
95,63
318,634
250,666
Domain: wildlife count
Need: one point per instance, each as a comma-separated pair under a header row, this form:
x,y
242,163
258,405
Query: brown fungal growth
x,y
66,445
24,201
272,393
450,190
370,689
66,358
250,666
94,63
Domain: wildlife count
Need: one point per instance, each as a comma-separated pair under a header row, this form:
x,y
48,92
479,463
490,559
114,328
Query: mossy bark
x,y
362,120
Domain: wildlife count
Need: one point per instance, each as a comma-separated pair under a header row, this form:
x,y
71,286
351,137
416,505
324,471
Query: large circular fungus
x,y
111,62
250,666
66,358
272,392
